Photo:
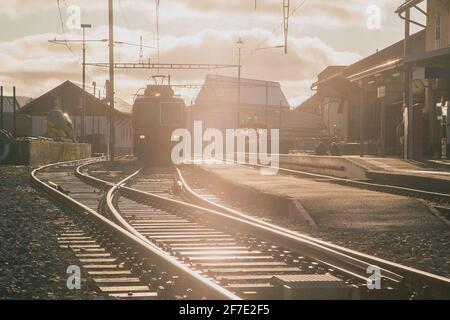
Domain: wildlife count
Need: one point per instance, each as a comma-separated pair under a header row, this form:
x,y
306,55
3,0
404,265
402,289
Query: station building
x,y
262,103
365,100
434,63
68,98
395,102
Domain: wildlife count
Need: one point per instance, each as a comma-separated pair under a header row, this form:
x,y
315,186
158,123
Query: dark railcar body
x,y
156,114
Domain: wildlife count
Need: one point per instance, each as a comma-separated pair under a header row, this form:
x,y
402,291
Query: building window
x,y
438,32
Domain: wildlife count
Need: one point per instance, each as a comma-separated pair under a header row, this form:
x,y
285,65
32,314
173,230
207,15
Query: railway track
x,y
247,256
237,256
120,263
204,198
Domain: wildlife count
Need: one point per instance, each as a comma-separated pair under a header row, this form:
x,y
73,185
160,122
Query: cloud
x,y
196,31
35,66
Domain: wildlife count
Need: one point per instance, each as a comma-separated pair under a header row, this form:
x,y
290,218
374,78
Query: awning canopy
x,y
337,87
435,58
347,84
384,67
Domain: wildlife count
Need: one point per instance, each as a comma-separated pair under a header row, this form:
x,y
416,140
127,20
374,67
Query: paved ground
x,y
32,266
334,206
436,169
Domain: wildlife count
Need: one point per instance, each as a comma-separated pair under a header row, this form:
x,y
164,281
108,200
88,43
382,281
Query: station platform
x,y
425,175
319,202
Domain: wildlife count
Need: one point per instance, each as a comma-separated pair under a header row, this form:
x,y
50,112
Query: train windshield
x,y
144,116
171,114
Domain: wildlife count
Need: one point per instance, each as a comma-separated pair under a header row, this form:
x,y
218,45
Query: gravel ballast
x,y
33,266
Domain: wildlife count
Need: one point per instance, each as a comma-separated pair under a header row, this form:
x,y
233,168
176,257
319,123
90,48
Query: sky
x,y
321,33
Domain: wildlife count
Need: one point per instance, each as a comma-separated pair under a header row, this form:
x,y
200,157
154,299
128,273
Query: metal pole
x,y
111,80
361,119
93,114
14,111
83,108
99,116
408,140
267,104
281,114
1,107
286,13
239,92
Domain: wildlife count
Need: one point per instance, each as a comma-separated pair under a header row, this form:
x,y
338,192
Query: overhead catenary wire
x,y
65,41
275,30
62,27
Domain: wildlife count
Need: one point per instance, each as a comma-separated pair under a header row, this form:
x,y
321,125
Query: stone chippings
x,y
423,249
32,266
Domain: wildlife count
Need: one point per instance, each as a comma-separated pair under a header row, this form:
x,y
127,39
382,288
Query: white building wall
x,y
37,126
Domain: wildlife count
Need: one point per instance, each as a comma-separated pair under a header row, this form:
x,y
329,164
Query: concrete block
x,y
340,167
36,152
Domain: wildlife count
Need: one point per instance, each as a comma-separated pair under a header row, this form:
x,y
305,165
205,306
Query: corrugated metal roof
x,y
223,89
119,104
123,106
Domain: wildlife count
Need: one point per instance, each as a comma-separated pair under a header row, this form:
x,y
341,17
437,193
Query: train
x,y
156,114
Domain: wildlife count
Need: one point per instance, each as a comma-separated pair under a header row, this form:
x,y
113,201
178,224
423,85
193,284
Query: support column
x,y
361,118
408,142
430,110
383,116
14,112
1,107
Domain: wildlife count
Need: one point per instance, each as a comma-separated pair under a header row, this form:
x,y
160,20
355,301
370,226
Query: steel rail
x,y
439,286
205,286
346,260
316,251
163,256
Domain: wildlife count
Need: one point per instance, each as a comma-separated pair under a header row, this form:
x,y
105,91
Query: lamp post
x,y
111,81
83,111
240,45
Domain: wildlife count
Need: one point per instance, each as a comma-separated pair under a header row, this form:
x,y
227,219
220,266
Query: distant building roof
x,y
224,90
123,106
329,71
8,103
311,105
67,96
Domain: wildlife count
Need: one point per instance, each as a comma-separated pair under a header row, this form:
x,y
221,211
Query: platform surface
x,y
432,169
334,206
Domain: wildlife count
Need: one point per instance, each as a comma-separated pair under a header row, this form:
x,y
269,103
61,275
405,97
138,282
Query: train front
x,y
156,114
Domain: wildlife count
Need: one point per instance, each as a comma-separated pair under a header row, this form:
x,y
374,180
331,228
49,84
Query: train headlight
x,y
142,137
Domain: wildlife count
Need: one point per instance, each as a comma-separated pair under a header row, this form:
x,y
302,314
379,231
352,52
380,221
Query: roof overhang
x,y
376,70
351,79
408,5
434,58
336,86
